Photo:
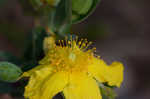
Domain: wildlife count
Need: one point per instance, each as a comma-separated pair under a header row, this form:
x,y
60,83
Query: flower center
x,y
72,56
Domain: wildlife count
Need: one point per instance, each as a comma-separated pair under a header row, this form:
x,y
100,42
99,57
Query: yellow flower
x,y
73,69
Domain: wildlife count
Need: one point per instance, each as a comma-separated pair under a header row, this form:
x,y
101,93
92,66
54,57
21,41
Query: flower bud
x,y
81,9
49,42
9,72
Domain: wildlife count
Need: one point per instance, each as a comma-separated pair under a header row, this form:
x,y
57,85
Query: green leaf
x,y
107,92
60,18
9,72
82,9
34,47
81,6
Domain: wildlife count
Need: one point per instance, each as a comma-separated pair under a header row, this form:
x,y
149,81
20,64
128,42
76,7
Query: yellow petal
x,y
37,75
112,74
31,90
41,69
82,87
54,84
115,75
98,69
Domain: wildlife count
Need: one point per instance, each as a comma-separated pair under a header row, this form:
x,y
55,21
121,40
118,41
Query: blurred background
x,y
120,29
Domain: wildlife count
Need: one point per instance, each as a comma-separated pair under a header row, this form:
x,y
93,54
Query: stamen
x,y
79,43
63,44
60,43
76,39
72,57
69,44
88,44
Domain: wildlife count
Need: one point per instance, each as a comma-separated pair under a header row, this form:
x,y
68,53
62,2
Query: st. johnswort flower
x,y
73,69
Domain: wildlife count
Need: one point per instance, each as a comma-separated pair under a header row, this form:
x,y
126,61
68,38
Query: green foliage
x,y
53,2
34,7
9,72
62,13
69,12
82,9
60,18
34,47
38,7
81,6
